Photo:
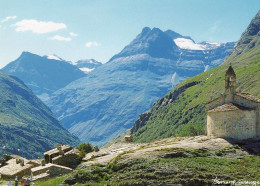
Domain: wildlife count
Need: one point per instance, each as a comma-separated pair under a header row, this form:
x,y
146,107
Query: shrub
x,y
191,129
84,148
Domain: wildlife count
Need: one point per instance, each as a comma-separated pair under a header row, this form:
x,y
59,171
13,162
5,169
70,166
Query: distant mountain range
x,y
46,74
106,102
27,126
181,112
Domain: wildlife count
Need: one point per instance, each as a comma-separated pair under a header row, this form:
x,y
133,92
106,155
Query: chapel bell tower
x,y
230,81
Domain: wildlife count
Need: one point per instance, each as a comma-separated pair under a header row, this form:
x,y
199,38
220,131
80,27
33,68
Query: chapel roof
x,y
248,97
228,107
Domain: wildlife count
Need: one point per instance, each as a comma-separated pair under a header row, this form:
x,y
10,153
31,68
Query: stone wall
x,y
68,160
38,171
57,171
250,104
236,124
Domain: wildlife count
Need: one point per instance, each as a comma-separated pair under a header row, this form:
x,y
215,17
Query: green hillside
x,y
27,126
181,112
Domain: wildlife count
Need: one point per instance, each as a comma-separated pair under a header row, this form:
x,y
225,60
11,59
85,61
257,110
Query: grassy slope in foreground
x,y
171,161
185,171
27,126
181,112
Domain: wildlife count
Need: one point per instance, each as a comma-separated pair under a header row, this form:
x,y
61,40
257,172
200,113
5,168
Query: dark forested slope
x,y
27,126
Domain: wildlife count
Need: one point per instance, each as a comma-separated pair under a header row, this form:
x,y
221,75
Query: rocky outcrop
x,y
172,161
250,37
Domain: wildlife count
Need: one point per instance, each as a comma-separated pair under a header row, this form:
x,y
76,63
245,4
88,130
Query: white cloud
x,y
60,38
92,43
73,34
39,27
8,18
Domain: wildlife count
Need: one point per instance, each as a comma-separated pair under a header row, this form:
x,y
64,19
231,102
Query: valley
x,y
105,103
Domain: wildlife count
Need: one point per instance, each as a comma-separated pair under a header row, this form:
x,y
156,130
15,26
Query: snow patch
x,y
73,63
184,43
53,57
86,70
86,61
216,44
188,44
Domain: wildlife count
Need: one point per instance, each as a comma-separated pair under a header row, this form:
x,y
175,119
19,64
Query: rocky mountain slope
x,y
27,126
43,75
181,112
106,102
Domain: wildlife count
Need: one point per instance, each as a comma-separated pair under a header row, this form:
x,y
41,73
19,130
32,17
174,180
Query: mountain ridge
x,y
107,101
150,41
42,74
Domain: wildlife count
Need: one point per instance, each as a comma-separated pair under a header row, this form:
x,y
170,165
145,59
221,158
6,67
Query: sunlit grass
x,y
51,182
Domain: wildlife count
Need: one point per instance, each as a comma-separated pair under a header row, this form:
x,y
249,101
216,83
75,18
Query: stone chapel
x,y
233,115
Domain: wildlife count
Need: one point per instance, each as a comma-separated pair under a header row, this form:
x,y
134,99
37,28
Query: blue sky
x,y
83,29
